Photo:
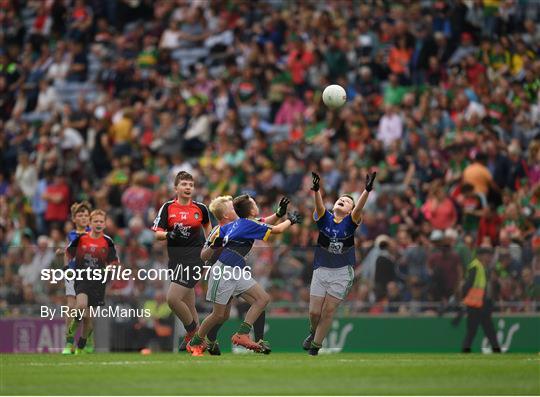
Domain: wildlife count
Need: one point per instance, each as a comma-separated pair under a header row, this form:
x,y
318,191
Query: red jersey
x,y
92,252
191,218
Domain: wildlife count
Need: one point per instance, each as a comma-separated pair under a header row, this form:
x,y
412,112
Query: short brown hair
x,y
242,205
80,207
98,212
348,196
182,176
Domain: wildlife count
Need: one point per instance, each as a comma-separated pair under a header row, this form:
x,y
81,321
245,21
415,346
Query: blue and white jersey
x,y
335,245
238,238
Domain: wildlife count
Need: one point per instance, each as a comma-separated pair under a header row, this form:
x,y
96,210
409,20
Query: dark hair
x,y
349,196
182,176
383,245
467,188
480,157
242,205
79,207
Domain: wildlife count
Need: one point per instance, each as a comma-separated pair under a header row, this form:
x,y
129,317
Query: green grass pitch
x,y
279,373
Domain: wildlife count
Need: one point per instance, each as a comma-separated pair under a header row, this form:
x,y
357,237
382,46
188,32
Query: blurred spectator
x,y
445,267
385,271
158,327
291,108
57,196
390,126
478,175
26,176
439,209
136,199
394,298
42,258
489,226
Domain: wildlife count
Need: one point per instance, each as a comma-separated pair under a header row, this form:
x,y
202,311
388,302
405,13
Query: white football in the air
x,y
334,96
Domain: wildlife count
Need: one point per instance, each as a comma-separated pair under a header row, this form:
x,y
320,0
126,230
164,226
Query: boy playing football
x,y
183,223
96,251
80,215
237,239
222,208
334,259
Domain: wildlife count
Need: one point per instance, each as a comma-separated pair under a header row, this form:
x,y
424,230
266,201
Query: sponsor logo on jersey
x,y
184,230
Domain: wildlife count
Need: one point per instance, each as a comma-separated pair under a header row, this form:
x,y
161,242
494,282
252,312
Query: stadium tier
x,y
424,206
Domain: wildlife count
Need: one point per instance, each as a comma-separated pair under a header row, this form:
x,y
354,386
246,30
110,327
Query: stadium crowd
x,y
106,100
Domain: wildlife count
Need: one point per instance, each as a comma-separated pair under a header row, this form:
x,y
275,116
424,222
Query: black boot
x,y
307,342
314,349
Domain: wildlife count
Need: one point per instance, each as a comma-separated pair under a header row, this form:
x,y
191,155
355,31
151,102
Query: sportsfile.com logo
x,y
114,272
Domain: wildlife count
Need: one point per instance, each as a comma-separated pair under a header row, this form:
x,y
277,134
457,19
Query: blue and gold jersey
x,y
72,235
211,237
238,238
335,245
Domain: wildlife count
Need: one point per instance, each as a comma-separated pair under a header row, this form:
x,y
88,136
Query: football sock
x,y
212,335
90,338
73,326
70,339
258,326
315,345
191,327
82,343
245,328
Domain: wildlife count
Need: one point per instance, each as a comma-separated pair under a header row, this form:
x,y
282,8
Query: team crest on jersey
x,y
196,216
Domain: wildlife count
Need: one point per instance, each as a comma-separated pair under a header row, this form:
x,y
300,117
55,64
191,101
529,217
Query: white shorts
x,y
331,281
70,287
221,287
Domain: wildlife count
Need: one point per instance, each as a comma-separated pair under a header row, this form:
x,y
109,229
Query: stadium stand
x,y
106,100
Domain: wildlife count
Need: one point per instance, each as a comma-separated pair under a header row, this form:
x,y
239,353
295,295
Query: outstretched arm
x,y
292,218
280,228
356,214
280,212
319,204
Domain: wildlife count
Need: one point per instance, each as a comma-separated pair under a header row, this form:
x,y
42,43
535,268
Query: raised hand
x,y
369,181
316,179
294,217
282,207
